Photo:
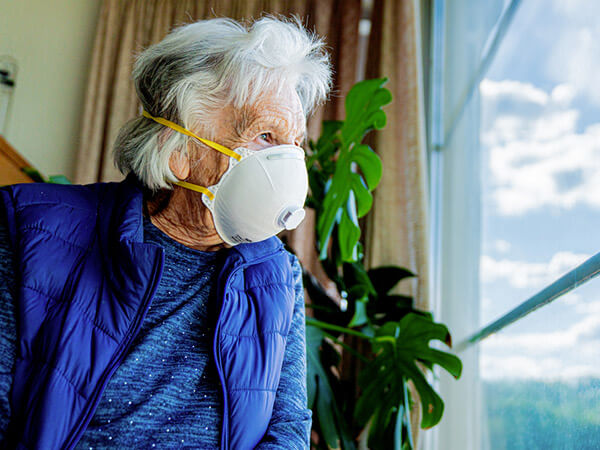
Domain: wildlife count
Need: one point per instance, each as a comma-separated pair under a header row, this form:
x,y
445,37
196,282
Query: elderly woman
x,y
162,311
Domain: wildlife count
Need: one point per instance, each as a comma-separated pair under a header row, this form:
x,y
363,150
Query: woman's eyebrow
x,y
251,120
243,122
275,126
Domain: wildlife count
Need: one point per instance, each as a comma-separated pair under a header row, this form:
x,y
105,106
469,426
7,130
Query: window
x,y
515,151
540,148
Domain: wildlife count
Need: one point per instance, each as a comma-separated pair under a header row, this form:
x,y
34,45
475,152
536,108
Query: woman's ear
x,y
179,164
178,161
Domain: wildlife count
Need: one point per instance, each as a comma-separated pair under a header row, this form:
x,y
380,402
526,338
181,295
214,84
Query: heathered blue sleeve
x,y
291,421
8,332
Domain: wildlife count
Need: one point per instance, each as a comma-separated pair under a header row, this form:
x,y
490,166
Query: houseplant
x,y
342,174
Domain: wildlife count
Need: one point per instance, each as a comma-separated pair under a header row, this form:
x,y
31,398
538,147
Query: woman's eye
x,y
267,137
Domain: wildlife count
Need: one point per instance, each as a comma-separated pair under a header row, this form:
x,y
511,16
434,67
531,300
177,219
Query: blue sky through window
x,y
540,142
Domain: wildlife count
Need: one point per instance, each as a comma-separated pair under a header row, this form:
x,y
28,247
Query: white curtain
x,y
467,26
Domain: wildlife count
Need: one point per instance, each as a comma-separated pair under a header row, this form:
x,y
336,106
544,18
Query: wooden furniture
x,y
11,164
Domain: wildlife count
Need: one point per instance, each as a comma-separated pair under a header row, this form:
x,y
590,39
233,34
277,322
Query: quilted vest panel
x,y
86,281
250,339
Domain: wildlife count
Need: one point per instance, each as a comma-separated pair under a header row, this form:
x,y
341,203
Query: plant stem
x,y
329,326
347,347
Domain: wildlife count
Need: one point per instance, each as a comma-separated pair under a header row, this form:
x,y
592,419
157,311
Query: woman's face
x,y
272,120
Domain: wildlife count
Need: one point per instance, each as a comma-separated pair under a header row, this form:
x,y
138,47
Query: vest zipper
x,y
116,362
217,355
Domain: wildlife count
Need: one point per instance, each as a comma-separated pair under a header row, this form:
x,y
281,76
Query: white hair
x,y
200,67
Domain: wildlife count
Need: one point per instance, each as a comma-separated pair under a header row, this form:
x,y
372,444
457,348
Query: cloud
x,y
568,353
497,246
527,367
574,47
544,154
502,246
572,299
525,274
537,158
549,342
579,11
487,306
494,367
513,90
585,307
563,94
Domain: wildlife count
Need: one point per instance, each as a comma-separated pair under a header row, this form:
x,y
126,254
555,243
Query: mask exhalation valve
x,y
291,217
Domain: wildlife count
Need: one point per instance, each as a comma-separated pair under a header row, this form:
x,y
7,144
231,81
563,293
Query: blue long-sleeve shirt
x,y
166,393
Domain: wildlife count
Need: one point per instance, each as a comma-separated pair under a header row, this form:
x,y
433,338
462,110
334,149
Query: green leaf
x,y
321,398
336,196
348,231
34,174
58,179
363,113
407,440
342,174
381,435
398,345
348,235
364,199
327,145
357,280
369,163
360,314
372,392
399,427
363,109
389,308
328,131
338,147
317,184
384,278
324,307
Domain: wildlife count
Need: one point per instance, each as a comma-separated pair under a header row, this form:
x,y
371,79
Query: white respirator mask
x,y
261,193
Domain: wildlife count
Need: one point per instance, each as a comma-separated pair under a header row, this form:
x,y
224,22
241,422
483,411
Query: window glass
x,y
540,143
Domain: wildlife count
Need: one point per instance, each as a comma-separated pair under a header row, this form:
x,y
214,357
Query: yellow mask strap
x,y
197,188
174,126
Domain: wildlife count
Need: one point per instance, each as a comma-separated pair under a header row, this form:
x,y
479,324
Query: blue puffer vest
x,y
86,282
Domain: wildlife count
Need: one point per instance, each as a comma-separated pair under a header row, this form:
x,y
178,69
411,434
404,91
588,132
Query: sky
x,y
540,143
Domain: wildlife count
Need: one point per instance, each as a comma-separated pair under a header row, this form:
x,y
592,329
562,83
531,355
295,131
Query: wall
x,y
52,43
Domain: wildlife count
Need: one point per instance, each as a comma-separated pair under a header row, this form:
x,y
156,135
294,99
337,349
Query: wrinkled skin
x,y
272,120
